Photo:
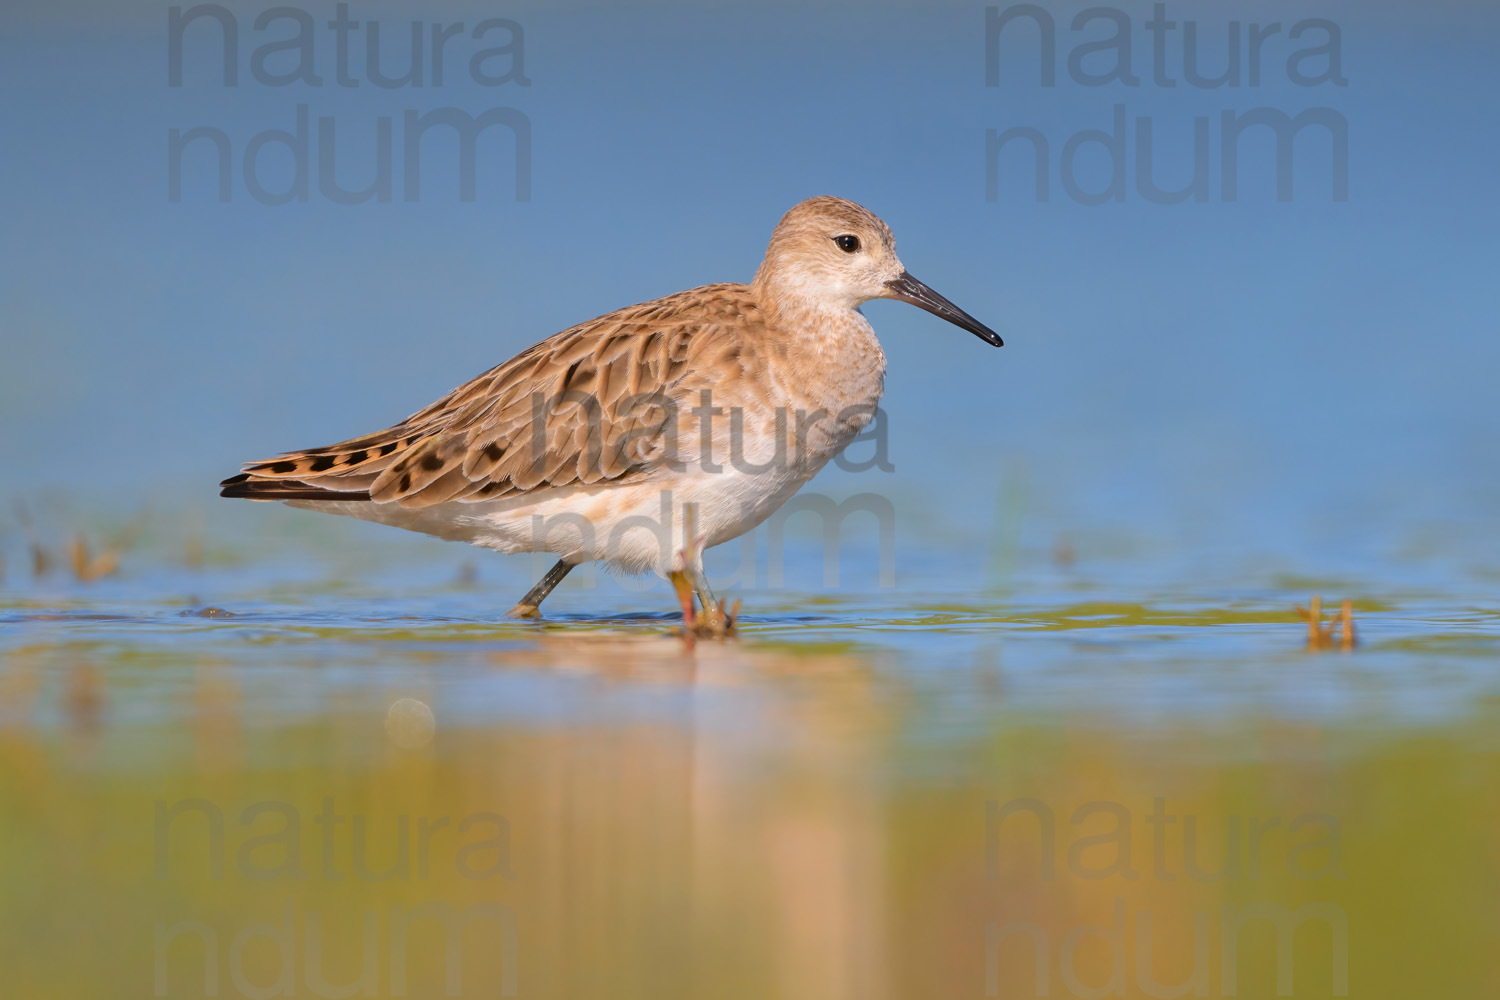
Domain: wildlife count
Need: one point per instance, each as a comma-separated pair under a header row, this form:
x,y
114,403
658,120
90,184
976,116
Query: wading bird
x,y
641,438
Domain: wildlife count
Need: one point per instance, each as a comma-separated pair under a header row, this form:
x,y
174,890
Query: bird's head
x,y
832,253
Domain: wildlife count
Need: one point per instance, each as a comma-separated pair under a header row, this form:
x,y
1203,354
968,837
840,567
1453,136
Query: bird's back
x,y
590,404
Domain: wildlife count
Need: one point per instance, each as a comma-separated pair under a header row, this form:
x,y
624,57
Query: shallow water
x,y
937,789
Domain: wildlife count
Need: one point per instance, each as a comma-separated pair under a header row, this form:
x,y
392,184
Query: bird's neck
x,y
810,321
831,347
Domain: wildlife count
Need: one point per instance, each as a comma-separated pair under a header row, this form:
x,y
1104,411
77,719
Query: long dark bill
x,y
909,289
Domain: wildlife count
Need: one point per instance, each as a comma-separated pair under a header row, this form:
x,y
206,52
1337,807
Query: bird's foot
x,y
717,619
524,610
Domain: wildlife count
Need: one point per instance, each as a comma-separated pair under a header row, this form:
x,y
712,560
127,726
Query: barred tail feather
x,y
243,486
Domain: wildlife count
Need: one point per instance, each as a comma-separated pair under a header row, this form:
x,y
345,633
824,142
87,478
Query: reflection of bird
x,y
644,436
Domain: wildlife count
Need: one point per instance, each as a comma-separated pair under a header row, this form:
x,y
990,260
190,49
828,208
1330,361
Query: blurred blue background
x,y
1311,381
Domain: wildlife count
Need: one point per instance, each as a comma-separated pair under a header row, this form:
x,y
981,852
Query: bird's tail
x,y
250,488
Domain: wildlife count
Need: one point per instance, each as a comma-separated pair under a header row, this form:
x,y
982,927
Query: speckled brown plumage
x,y
587,405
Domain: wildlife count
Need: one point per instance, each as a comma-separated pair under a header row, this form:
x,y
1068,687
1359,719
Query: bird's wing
x,y
591,404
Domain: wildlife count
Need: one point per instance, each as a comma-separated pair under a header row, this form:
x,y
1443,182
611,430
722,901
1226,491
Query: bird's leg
x,y
702,589
684,588
530,605
682,576
716,619
688,580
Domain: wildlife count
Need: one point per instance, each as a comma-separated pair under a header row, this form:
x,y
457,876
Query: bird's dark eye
x,y
848,244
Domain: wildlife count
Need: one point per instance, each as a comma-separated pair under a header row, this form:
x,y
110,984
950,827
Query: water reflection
x,y
1025,802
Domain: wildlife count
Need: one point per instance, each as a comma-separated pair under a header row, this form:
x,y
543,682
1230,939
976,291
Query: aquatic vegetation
x,y
1339,632
85,565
